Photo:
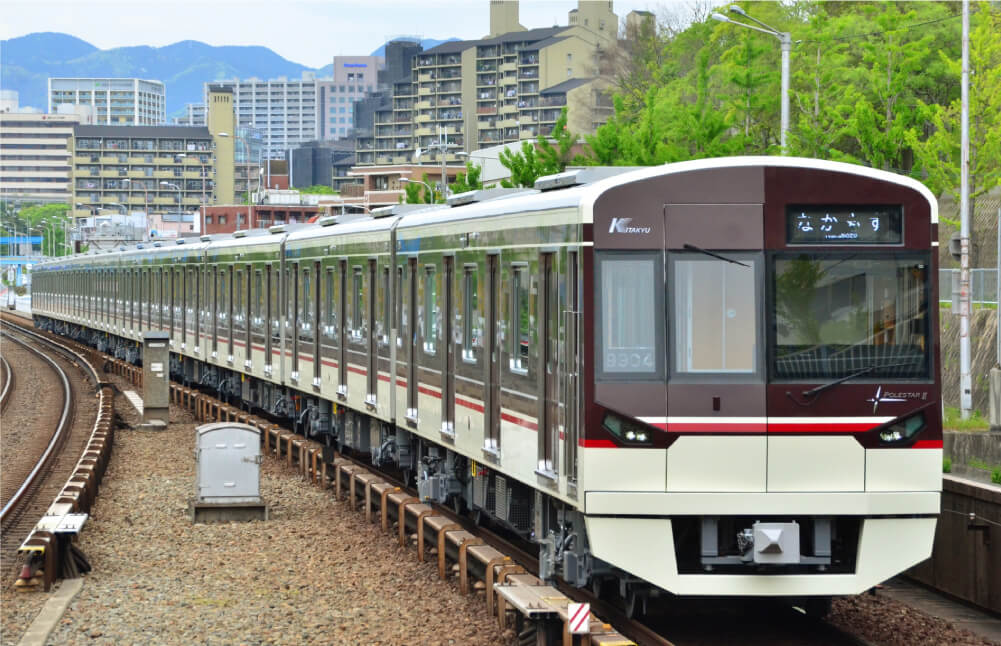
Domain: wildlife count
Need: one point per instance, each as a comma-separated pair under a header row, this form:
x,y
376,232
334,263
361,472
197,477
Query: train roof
x,y
576,189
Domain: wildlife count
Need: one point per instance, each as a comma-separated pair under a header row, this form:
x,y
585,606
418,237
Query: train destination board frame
x,y
880,224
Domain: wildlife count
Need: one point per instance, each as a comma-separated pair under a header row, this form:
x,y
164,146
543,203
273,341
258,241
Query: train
x,y
716,377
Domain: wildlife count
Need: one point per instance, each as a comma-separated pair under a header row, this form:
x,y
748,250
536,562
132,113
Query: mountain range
x,y
26,63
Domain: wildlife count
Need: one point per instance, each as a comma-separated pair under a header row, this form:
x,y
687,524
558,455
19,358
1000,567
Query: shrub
x,y
946,465
996,476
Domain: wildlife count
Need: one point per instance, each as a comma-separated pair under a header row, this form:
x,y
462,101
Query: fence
x,y
983,285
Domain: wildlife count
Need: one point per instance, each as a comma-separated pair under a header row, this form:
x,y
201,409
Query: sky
x,y
309,32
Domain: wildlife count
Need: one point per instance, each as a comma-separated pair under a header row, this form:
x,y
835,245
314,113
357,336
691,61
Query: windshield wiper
x,y
691,247
858,373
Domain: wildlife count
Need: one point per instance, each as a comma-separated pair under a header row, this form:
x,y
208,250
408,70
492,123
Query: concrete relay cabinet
x,y
228,481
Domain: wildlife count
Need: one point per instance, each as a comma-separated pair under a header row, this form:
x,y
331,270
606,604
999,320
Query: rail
x,y
8,383
18,498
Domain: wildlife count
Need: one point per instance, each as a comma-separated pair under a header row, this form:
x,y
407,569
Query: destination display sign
x,y
845,224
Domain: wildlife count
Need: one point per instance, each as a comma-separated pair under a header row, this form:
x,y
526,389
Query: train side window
x,y
384,323
630,333
716,315
470,313
356,303
520,324
258,299
430,330
330,322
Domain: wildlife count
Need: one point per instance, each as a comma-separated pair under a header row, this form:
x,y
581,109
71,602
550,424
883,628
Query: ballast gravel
x,y
315,573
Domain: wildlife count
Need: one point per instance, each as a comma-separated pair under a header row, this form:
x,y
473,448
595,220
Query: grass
x,y
954,422
984,305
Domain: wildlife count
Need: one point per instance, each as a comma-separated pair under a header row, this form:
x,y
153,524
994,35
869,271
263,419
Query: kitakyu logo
x,y
621,225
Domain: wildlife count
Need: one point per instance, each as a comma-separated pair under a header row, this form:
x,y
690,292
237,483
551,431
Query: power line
x,y
886,31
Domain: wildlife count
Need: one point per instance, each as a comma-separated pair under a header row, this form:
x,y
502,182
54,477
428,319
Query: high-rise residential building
x,y
171,170
166,169
508,87
194,115
35,156
284,110
354,78
116,101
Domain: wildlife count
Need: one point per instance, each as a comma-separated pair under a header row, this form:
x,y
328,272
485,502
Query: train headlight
x,y
902,430
625,430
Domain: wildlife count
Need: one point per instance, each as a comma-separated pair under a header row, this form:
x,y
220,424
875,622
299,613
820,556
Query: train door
x,y
448,347
272,328
372,341
548,357
316,322
248,313
328,341
491,380
570,323
412,343
232,294
295,316
342,341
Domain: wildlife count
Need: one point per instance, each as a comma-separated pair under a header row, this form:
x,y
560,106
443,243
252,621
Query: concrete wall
x,y
966,562
962,447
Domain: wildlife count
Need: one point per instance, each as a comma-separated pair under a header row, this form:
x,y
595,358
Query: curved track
x,y
8,383
26,498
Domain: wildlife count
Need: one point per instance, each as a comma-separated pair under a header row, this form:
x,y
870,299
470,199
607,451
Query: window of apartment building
x,y
208,219
222,219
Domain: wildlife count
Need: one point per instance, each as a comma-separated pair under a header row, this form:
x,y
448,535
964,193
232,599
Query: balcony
x,y
163,174
509,108
423,118
423,132
424,104
491,109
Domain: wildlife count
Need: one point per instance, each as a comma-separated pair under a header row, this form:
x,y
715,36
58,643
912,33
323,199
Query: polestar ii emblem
x,y
878,398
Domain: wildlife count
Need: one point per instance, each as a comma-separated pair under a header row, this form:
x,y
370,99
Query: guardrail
x,y
983,285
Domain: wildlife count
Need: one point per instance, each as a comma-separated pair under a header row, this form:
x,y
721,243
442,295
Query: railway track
x,y
8,383
57,450
21,511
690,620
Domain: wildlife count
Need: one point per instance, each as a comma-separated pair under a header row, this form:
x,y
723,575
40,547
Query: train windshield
x,y
837,314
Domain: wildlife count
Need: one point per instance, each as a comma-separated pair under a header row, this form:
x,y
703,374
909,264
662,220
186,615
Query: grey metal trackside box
x,y
229,458
228,482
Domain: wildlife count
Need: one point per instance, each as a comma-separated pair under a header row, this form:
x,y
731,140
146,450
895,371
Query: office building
x,y
354,78
505,88
116,101
283,110
35,156
322,163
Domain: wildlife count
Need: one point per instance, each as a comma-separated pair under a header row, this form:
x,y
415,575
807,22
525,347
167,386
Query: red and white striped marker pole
x,y
579,621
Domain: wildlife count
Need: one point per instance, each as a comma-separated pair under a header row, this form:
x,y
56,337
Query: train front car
x,y
763,402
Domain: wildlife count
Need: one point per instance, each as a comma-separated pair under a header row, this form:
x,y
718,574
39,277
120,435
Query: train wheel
x,y
597,586
635,604
817,607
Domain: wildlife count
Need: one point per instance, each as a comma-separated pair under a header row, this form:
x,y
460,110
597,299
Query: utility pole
x,y
965,381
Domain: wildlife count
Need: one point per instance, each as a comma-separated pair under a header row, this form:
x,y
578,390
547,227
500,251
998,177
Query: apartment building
x,y
35,156
194,115
115,101
505,88
164,169
283,110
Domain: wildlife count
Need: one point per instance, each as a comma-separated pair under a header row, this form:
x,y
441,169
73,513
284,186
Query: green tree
x,y
417,193
318,189
468,181
52,219
541,158
938,156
